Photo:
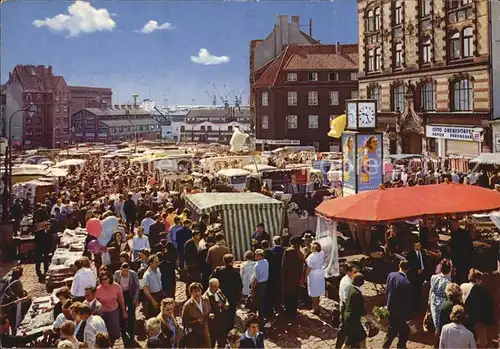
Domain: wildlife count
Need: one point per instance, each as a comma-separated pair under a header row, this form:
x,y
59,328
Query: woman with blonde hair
x,y
453,297
455,334
68,333
169,325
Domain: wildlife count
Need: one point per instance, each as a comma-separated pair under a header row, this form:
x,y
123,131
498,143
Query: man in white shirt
x,y
147,222
94,324
84,278
139,242
344,286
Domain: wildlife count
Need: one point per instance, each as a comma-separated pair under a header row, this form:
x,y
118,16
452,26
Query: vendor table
x,y
40,315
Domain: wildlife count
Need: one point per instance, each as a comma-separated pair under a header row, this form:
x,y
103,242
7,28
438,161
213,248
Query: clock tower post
x,y
362,148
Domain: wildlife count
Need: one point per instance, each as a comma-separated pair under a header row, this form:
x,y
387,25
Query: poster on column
x,y
348,163
370,162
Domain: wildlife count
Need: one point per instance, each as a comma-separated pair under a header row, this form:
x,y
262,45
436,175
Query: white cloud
x,y
206,58
82,17
152,26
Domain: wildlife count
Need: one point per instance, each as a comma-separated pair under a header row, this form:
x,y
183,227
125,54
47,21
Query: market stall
x,y
240,213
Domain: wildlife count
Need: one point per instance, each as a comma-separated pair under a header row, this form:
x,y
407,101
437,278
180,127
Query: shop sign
x,y
450,132
278,141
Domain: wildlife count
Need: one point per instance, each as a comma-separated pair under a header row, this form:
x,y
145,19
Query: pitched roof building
x,y
300,91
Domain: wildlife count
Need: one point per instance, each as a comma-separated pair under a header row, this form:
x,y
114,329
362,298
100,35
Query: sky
x,y
163,50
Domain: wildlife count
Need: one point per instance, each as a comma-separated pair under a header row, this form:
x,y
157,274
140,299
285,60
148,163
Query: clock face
x,y
351,115
367,115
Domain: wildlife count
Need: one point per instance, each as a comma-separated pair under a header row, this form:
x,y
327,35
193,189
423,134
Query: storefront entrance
x,y
411,143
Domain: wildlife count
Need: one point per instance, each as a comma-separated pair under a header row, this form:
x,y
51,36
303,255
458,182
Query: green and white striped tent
x,y
240,212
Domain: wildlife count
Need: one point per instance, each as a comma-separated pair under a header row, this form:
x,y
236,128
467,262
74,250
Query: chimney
x,y
310,27
338,48
49,71
117,106
296,22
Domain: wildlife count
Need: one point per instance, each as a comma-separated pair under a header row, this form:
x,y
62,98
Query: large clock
x,y
352,115
366,114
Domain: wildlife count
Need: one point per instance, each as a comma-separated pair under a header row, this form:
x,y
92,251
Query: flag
x,y
337,126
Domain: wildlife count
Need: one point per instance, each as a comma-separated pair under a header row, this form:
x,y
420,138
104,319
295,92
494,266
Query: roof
x,y
37,78
131,122
117,112
218,113
309,57
320,62
208,202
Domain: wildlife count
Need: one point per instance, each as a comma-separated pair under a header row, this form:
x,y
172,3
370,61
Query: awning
x,y
487,159
405,156
241,213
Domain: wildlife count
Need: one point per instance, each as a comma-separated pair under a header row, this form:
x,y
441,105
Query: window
x,y
113,129
265,99
183,128
333,76
291,122
354,94
370,60
313,97
354,76
313,76
398,98
398,58
265,122
203,128
58,121
58,131
398,13
38,132
313,121
462,95
428,96
468,42
57,96
58,109
370,21
377,18
291,77
209,128
374,93
28,121
230,128
466,2
38,121
425,8
454,45
426,50
65,108
333,98
292,98
28,97
29,132
378,59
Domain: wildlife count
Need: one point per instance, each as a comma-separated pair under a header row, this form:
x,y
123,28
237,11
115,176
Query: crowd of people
x,y
159,243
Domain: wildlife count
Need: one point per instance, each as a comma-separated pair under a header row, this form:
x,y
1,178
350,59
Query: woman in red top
x,y
110,294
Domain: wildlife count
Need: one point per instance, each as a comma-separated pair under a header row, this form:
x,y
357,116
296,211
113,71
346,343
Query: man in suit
x,y
155,230
43,247
462,251
232,286
130,210
292,270
90,300
217,252
354,311
399,294
417,261
182,236
219,305
252,338
193,266
195,315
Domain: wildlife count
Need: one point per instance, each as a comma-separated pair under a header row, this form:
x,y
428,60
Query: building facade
x,y
113,124
264,51
214,125
49,126
299,92
89,97
426,62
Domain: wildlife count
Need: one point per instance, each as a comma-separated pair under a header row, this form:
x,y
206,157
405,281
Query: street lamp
x,y
7,177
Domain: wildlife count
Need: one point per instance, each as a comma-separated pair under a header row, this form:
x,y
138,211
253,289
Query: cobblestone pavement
x,y
308,331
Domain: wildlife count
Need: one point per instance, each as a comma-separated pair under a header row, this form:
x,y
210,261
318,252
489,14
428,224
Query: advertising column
x,y
369,161
349,163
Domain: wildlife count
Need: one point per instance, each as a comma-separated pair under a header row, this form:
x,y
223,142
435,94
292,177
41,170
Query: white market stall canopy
x,y
233,172
70,162
259,167
241,213
487,159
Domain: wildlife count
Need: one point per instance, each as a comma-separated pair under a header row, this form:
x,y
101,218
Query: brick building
x,y
262,51
300,91
88,97
49,126
427,63
114,124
